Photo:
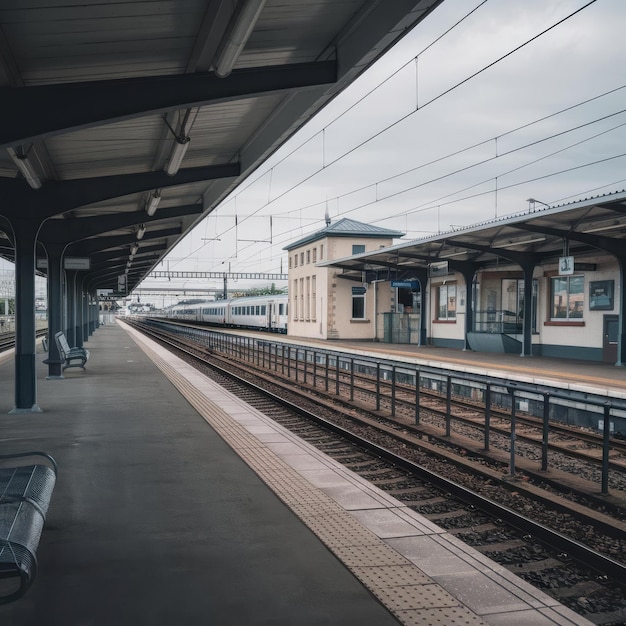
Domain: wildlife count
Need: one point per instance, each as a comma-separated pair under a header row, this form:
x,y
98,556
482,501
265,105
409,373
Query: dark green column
x,y
25,235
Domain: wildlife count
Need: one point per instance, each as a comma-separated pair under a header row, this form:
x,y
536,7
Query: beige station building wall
x,y
320,303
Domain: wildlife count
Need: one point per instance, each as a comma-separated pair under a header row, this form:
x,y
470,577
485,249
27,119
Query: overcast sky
x,y
411,146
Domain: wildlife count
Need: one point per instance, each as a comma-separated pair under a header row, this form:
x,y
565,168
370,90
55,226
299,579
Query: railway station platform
x,y
177,503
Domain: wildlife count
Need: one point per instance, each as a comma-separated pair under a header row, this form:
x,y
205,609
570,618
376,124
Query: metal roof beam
x,y
31,114
75,229
58,197
608,244
87,247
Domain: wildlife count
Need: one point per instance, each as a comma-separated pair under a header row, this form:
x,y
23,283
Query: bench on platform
x,y
72,357
25,493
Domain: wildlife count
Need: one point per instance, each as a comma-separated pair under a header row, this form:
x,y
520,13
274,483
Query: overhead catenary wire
x,y
466,79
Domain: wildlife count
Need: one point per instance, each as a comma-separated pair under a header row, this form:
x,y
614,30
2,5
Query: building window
x,y
289,261
302,299
308,256
313,296
302,258
512,305
321,251
358,306
294,301
308,298
567,295
357,248
314,255
446,302
295,260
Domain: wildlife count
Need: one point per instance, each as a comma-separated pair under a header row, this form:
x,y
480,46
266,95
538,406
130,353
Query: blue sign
x,y
408,284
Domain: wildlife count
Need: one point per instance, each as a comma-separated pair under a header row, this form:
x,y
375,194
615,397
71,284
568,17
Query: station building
x,y
468,288
319,305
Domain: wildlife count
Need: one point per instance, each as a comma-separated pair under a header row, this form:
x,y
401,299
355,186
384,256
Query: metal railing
x,y
337,371
501,322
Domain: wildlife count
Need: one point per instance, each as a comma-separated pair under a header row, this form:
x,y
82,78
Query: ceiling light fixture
x,y
178,154
153,203
238,36
597,229
512,244
141,231
25,167
133,250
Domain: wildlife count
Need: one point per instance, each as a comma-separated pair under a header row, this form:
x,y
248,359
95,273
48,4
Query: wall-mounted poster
x,y
601,295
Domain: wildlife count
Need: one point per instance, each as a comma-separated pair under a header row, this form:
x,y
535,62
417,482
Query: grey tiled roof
x,y
346,227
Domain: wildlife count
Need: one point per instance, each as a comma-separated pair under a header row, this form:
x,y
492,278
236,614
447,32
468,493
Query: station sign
x,y
405,284
566,265
358,291
69,263
440,268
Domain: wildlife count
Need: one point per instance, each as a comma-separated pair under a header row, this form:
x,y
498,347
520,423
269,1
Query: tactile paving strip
x,y
403,588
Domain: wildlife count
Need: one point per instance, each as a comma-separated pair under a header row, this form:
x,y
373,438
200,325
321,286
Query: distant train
x,y
255,312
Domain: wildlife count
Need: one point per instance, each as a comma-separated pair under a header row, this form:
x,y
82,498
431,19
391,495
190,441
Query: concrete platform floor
x,y
154,520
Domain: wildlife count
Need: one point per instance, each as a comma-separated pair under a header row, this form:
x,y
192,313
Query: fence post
x,y
606,434
546,430
417,397
306,358
351,379
326,372
512,458
393,391
378,386
448,404
487,414
289,362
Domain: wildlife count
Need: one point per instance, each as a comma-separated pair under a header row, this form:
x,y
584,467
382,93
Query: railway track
x,y
581,564
7,340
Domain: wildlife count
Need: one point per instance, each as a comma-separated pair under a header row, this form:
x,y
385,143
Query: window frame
x,y
450,292
554,315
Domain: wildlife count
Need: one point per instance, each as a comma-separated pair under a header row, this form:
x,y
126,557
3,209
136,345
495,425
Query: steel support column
x,y
527,322
72,312
25,237
55,308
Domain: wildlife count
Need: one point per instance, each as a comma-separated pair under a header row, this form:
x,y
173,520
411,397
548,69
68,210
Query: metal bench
x,y
25,493
72,357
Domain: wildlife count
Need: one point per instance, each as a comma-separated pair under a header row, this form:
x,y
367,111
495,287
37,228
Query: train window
x,y
281,308
263,309
258,310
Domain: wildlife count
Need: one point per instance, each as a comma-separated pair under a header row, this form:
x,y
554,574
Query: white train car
x,y
214,312
259,312
255,312
188,312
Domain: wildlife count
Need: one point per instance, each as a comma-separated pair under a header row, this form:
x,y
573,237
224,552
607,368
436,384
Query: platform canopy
x,y
541,234
126,123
